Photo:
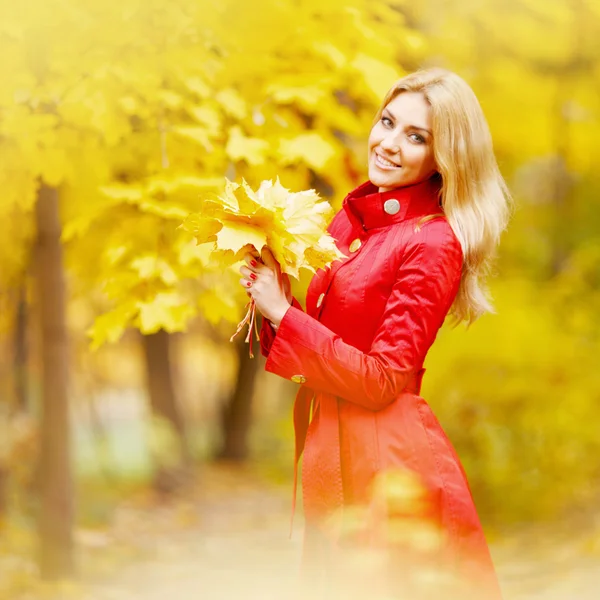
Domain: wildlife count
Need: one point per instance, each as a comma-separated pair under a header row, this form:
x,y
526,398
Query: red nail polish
x,y
253,263
252,275
249,284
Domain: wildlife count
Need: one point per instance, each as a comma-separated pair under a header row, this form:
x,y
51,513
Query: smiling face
x,y
401,143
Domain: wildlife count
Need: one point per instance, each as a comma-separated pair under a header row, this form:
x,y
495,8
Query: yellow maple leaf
x,y
201,227
111,326
292,224
376,73
167,310
240,147
311,148
289,223
235,235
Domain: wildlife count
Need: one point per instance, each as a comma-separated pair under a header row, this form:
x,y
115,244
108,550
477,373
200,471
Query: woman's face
x,y
401,143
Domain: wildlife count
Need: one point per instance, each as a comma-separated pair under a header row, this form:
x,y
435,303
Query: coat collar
x,y
365,205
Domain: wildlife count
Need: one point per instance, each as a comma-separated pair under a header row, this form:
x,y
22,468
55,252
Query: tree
x,y
56,486
165,405
237,413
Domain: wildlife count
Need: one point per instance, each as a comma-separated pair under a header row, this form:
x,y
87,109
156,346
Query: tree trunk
x,y
3,493
55,523
163,402
20,351
19,383
237,415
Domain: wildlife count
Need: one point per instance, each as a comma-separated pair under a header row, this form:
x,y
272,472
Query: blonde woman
x,y
418,236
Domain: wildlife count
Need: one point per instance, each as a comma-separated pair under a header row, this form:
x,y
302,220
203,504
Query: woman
x,y
418,237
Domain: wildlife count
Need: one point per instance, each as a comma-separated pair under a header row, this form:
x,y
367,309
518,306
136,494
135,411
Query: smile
x,y
385,164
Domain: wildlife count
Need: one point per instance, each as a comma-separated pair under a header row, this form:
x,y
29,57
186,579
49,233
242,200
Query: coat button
x,y
391,206
298,378
320,300
355,245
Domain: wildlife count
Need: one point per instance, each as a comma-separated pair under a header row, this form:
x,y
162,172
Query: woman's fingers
x,y
269,260
266,267
252,267
249,277
253,251
248,273
253,262
287,286
282,278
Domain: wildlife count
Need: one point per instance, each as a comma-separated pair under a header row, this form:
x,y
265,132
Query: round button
x,y
320,300
391,206
298,378
355,245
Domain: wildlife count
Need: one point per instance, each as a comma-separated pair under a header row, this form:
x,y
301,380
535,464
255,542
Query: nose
x,y
389,144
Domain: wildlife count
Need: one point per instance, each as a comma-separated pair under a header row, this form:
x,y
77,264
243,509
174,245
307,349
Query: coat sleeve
x,y
304,350
267,333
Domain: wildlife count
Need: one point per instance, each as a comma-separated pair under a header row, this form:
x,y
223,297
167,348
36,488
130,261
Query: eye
x,y
415,137
387,122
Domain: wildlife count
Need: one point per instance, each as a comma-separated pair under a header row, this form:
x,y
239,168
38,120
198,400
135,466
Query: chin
x,y
384,182
376,178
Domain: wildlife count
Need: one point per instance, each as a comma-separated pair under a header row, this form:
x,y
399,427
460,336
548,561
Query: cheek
x,y
422,159
370,144
374,137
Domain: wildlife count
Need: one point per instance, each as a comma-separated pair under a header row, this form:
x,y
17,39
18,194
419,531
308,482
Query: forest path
x,y
233,543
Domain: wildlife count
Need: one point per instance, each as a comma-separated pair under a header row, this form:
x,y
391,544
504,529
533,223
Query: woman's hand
x,y
267,285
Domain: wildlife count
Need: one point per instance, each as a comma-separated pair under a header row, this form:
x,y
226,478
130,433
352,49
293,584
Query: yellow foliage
x,y
310,148
123,100
518,394
378,75
292,224
167,310
240,147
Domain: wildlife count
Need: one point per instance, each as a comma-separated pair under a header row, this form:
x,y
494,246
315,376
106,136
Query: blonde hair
x,y
474,196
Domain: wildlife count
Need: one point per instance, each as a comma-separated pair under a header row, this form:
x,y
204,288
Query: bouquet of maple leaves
x,y
292,224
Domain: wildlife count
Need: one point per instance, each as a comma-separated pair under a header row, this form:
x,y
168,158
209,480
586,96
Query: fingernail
x,y
249,284
253,263
252,275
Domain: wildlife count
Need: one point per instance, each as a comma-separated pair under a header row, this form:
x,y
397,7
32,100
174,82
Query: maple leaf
x,y
292,224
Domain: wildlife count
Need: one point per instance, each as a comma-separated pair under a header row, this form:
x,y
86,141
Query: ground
x,y
225,545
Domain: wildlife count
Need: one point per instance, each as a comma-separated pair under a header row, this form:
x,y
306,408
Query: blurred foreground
x,y
227,537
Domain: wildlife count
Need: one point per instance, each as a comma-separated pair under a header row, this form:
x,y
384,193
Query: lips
x,y
384,163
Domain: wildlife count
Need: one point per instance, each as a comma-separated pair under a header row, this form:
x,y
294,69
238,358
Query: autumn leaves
x,y
240,220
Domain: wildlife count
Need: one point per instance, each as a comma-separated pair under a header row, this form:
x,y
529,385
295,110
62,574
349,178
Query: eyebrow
x,y
386,110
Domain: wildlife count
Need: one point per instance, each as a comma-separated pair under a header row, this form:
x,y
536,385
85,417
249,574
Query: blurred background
x,y
143,454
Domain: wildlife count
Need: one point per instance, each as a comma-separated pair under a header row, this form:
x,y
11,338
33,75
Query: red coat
x,y
358,354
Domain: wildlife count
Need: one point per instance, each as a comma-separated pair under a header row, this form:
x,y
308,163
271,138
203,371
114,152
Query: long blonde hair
x,y
474,196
